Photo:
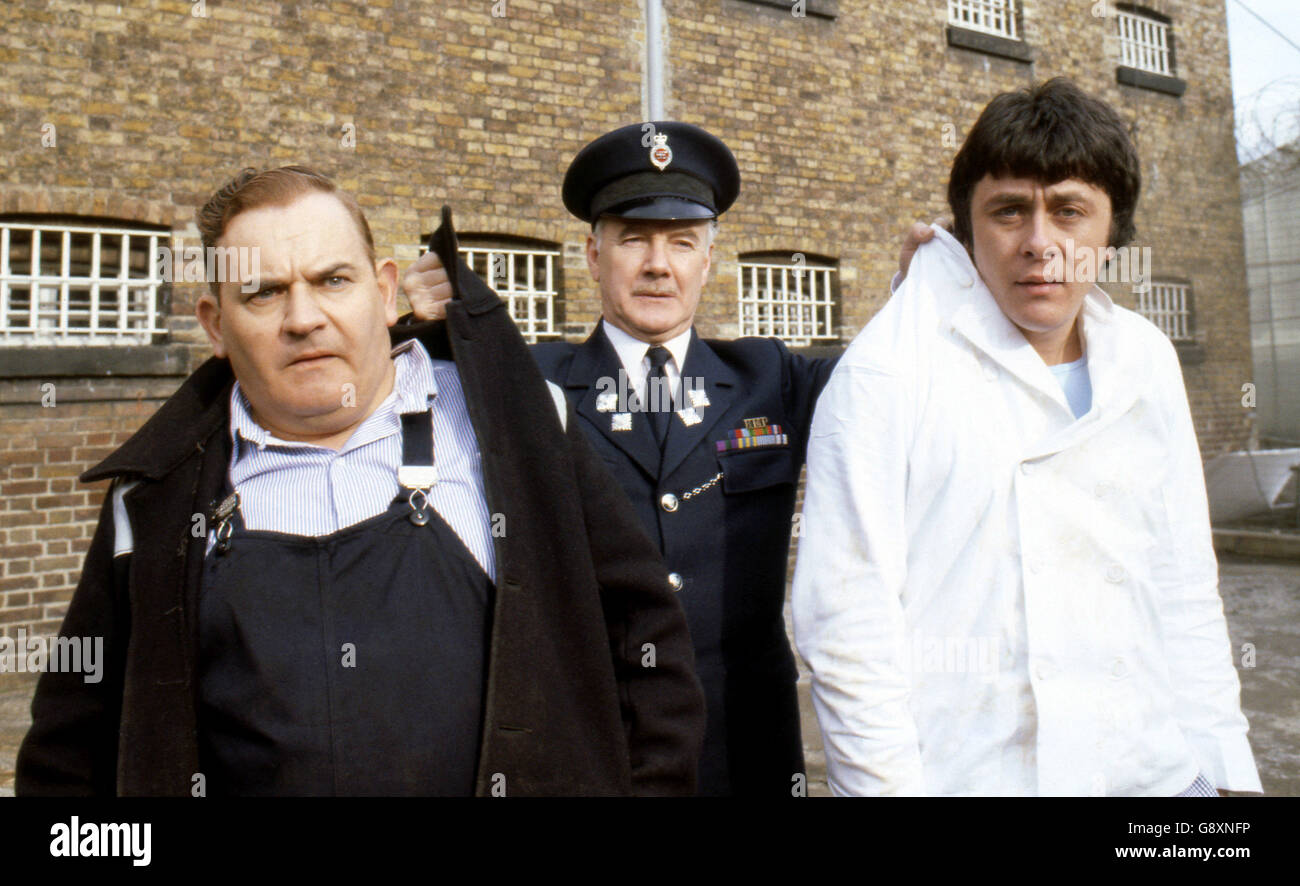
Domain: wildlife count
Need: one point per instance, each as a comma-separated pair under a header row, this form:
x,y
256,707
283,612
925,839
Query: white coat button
x,y
1102,490
1115,574
1035,567
674,581
1026,468
966,282
1043,671
668,502
1119,668
990,374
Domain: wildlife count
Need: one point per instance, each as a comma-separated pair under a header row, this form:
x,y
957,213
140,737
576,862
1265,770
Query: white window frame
x,y
134,320
996,17
529,297
799,298
1144,42
1168,306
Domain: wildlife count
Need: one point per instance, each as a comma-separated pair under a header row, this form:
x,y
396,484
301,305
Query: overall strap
x,y
417,473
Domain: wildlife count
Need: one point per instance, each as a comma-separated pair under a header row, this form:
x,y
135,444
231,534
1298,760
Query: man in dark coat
x,y
707,438
573,672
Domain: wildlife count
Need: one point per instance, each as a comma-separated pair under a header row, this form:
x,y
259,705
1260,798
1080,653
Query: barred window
x,y
79,284
525,274
1169,306
997,17
1143,42
790,297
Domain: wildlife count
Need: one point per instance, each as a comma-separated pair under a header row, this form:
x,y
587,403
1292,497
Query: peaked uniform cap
x,y
659,170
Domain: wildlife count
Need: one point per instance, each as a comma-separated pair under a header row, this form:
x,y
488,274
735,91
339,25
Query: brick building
x,y
844,115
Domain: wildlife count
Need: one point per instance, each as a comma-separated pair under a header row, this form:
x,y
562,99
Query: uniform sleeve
x,y
849,577
1200,654
804,380
661,700
71,748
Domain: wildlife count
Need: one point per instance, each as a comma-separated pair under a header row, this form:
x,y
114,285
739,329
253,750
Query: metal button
x,y
668,502
675,581
1115,573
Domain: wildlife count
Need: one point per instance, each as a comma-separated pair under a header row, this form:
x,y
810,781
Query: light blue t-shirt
x,y
1074,381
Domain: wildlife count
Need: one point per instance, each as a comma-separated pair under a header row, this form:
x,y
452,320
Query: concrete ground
x,y
1262,603
15,717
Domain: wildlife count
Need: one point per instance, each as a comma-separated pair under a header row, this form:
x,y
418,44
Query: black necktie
x,y
656,386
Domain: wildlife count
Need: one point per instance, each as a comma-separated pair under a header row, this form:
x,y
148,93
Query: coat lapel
x,y
1116,366
981,322
596,359
715,378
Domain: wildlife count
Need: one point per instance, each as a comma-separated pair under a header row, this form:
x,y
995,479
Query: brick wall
x,y
844,128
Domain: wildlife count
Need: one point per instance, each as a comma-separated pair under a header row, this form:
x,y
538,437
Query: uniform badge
x,y
621,421
689,416
756,432
660,154
699,398
606,401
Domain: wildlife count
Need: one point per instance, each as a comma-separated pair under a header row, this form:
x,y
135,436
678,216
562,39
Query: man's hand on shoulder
x,y
427,287
917,234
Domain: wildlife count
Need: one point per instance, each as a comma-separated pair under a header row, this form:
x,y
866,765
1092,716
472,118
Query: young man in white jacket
x,y
1006,583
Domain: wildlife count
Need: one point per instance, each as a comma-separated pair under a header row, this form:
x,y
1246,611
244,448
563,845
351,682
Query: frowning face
x,y
309,342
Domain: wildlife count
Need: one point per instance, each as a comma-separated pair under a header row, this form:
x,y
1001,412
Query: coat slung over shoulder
x,y
590,689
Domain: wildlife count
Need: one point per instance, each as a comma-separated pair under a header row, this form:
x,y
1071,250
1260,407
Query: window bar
x,y
740,300
4,279
828,329
532,299
123,292
150,294
815,286
798,302
94,284
771,313
64,270
550,293
512,300
33,290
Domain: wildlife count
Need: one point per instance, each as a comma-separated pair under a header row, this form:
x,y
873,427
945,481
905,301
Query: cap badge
x,y
660,154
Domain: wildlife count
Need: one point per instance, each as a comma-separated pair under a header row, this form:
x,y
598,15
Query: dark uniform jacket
x,y
723,520
570,706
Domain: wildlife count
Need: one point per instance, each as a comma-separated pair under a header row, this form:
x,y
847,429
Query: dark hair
x,y
253,189
1049,133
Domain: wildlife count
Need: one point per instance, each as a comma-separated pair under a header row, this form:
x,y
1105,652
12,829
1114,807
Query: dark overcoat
x,y
723,520
590,686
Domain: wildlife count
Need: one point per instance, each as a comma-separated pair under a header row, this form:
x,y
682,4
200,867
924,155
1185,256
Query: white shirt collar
x,y
414,387
632,352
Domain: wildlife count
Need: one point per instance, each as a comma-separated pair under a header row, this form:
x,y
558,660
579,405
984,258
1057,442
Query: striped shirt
x,y
304,489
